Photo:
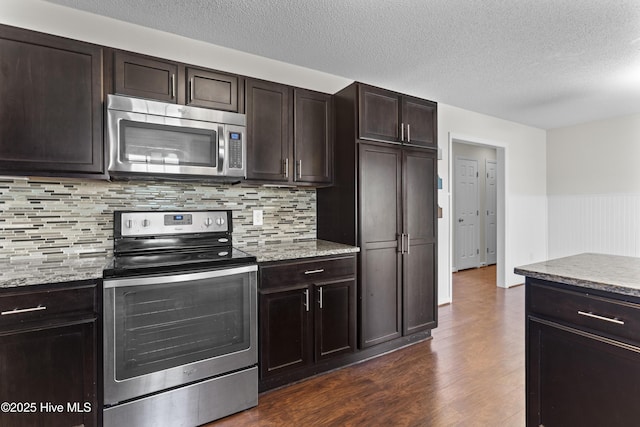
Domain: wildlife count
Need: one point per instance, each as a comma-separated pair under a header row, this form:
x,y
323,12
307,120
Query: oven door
x,y
165,331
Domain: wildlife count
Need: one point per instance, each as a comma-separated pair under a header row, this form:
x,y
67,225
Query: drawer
x,y
317,270
43,302
599,314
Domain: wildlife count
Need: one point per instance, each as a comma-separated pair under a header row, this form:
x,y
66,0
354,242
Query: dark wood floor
x,y
470,374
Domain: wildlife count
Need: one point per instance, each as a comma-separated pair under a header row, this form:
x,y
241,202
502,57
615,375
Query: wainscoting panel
x,y
601,223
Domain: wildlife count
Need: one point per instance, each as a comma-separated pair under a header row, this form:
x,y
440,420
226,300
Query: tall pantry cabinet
x,y
384,201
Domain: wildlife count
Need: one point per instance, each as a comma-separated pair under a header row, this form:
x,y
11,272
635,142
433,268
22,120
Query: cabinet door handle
x,y
606,319
408,243
320,299
286,168
320,270
401,243
191,90
23,310
173,85
299,169
401,131
408,132
306,299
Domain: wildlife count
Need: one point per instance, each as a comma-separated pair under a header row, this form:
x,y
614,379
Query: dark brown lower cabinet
x,y
48,366
581,370
307,314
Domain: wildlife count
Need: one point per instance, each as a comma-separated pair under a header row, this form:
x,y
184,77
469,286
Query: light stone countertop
x,y
294,250
38,271
609,273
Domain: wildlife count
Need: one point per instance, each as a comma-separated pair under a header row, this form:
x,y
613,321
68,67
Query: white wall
x,y
523,151
593,183
524,147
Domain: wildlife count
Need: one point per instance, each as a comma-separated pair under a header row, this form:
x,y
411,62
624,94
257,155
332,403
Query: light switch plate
x,y
257,217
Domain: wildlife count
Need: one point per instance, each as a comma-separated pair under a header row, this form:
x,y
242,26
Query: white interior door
x,y
491,220
466,220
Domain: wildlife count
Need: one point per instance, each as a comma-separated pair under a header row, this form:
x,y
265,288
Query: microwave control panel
x,y
235,150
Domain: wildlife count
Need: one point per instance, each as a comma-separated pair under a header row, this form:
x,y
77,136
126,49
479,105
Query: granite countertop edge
x,y
290,251
42,271
607,273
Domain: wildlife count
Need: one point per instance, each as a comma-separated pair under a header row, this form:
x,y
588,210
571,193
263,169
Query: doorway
x,y
474,205
492,190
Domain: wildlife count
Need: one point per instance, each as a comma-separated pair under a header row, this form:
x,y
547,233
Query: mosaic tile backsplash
x,y
58,218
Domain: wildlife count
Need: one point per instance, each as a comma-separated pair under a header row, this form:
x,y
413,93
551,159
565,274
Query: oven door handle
x,y
177,277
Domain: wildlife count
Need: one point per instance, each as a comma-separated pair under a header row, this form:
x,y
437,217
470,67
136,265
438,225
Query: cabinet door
x,y
50,105
313,136
212,90
576,378
268,131
380,225
55,365
420,120
285,336
379,114
335,320
145,77
419,260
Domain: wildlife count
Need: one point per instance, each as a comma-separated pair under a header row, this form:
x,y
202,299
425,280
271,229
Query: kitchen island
x,y
583,341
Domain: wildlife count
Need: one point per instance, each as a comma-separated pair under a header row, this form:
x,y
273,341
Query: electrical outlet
x,y
257,217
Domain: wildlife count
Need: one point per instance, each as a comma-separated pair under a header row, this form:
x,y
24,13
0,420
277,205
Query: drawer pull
x,y
606,319
320,270
23,310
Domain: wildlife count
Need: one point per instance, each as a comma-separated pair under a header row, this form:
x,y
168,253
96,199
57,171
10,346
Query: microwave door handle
x,y
221,150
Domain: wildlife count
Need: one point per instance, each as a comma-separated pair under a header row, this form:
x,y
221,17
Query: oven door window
x,y
142,142
158,327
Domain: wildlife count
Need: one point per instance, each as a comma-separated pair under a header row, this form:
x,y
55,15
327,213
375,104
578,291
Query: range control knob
x,y
208,222
145,222
129,223
220,220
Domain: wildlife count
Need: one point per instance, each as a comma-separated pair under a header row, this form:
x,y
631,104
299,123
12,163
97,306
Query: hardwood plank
x,y
470,374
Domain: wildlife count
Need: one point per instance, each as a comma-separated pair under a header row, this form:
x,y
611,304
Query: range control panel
x,y
162,223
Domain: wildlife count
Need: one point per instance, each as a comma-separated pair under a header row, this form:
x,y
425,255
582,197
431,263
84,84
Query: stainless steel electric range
x,y
180,321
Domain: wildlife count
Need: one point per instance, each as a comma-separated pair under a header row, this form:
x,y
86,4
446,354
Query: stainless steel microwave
x,y
159,139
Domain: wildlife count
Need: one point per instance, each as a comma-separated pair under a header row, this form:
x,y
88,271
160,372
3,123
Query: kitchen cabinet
x,y
289,134
397,242
583,356
307,313
313,136
50,105
392,117
269,133
384,201
48,350
169,81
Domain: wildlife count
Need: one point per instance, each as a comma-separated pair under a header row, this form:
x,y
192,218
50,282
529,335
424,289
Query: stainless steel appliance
x,y
180,321
160,139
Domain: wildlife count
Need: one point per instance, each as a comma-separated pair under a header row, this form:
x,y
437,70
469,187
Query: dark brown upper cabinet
x,y
290,134
50,105
392,117
212,90
269,133
163,80
145,78
313,136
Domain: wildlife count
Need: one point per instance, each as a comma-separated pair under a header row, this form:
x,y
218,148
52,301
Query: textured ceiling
x,y
544,63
